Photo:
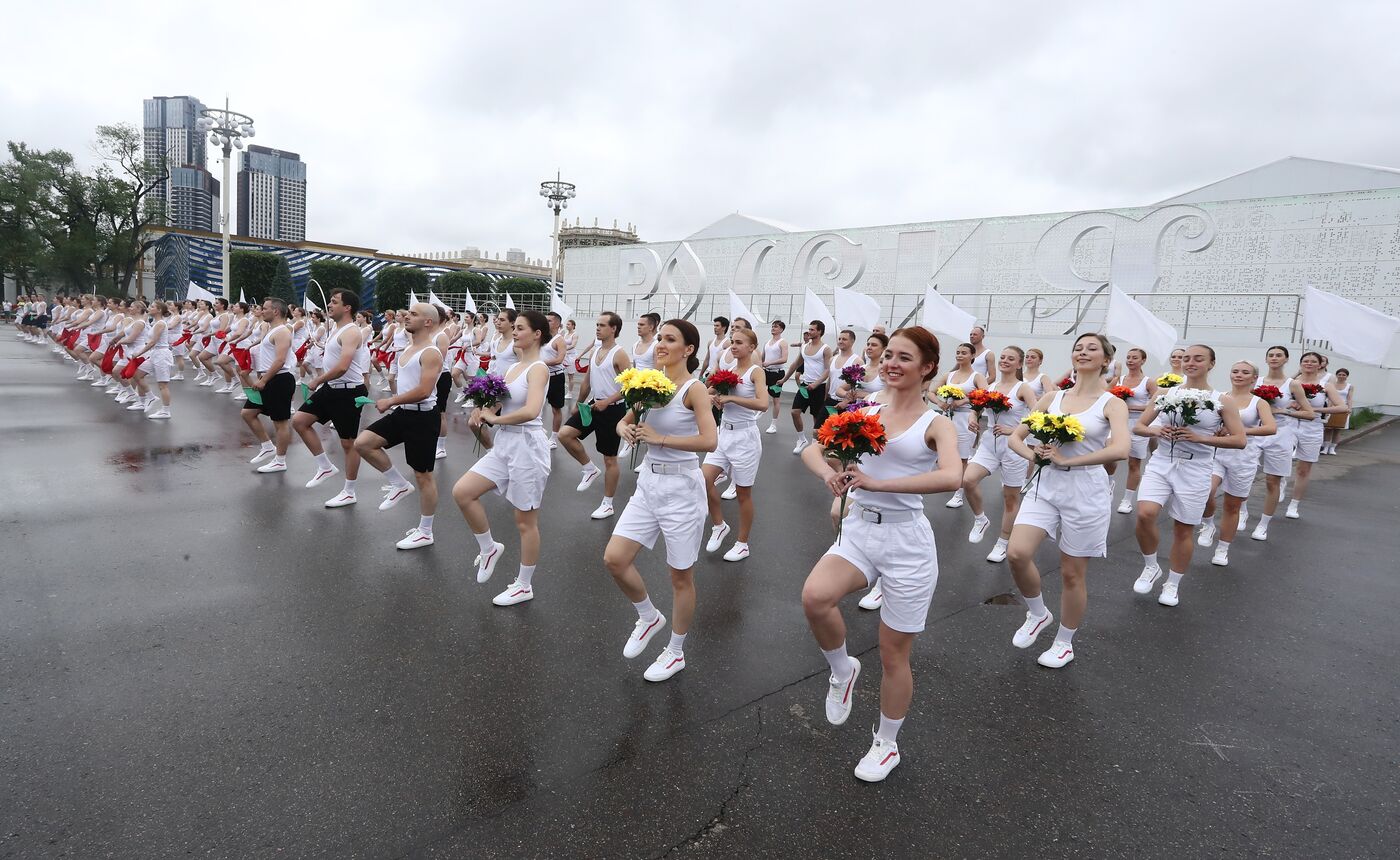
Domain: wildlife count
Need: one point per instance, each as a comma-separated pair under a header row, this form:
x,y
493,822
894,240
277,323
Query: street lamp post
x,y
226,129
556,194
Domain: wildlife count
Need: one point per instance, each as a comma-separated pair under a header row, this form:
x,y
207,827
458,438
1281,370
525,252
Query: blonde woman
x,y
1234,469
994,454
964,419
1144,390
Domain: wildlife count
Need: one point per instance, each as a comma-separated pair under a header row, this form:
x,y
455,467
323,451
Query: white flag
x,y
1351,329
470,303
434,300
740,311
307,304
1135,325
557,305
815,309
412,298
941,316
241,299
510,303
196,292
857,310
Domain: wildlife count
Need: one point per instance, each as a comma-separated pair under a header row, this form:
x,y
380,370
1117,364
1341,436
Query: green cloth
x,y
585,414
305,393
254,396
364,401
775,389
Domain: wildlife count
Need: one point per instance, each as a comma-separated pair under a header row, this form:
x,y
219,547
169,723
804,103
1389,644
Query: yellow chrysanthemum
x,y
1074,428
951,392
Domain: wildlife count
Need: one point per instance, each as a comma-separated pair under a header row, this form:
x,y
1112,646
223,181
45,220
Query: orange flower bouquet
x,y
847,437
988,398
1122,392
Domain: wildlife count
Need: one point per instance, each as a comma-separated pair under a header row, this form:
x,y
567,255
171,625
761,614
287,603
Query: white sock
x,y
1149,560
396,477
268,446
677,642
1130,495
590,469
280,459
981,518
889,729
425,524
1036,605
349,486
1264,520
645,611
806,435
608,500
1065,635
442,443
722,525
1002,543
1225,545
323,462
839,661
1174,578
527,573
485,541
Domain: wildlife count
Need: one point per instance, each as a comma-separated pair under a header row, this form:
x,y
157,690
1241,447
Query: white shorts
x,y
1180,486
518,464
161,364
995,455
902,557
1236,470
1307,440
1138,446
1072,507
672,506
1276,451
738,452
967,435
182,350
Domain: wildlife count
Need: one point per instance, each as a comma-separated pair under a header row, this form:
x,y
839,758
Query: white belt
x,y
344,384
672,468
417,407
877,516
737,425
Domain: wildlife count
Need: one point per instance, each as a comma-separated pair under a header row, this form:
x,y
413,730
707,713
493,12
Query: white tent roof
x,y
742,225
1291,177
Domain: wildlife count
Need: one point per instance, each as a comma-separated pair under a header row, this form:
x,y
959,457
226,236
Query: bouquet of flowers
x,y
1182,406
1051,428
643,391
723,381
1122,392
1311,389
949,394
1065,384
1268,393
853,375
988,398
849,436
857,405
1170,380
486,391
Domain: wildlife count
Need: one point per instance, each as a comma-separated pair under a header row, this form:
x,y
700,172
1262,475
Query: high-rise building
x,y
175,147
272,195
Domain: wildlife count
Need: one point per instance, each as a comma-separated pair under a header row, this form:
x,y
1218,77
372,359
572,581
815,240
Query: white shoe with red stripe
x,y
877,764
641,635
667,663
518,592
395,495
1057,656
486,562
321,476
415,538
840,695
1026,635
344,499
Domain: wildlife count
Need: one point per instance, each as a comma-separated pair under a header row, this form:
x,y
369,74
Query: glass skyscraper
x,y
272,195
175,147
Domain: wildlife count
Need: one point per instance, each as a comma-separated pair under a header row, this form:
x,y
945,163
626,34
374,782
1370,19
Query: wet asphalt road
x,y
197,660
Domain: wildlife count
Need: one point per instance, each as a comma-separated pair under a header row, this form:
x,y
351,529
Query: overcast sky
x,y
428,126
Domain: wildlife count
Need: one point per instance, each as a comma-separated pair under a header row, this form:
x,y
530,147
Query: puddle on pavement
x,y
1004,599
139,459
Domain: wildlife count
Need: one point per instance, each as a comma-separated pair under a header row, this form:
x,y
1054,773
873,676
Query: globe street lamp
x,y
226,129
556,194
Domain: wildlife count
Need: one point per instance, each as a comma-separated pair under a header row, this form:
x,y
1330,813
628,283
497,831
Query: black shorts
x,y
772,377
336,405
416,431
813,402
42,321
444,390
604,425
555,396
276,397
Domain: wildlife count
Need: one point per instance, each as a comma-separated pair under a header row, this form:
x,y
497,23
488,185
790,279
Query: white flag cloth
x,y
1135,325
857,310
557,305
470,303
740,311
196,292
307,304
412,298
434,300
1351,329
816,309
510,303
241,299
943,317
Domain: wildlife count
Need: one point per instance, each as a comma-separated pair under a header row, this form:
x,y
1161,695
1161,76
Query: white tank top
x,y
833,377
401,339
411,374
1206,424
1018,410
980,363
1038,385
503,356
772,351
904,455
359,363
602,379
267,351
1139,401
646,359
517,392
570,347
873,382
550,352
1318,400
673,419
733,412
165,339
727,361
716,349
812,365
1095,426
143,335
964,385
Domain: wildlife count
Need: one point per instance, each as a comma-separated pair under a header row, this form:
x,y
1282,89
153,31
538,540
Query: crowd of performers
x,y
1267,420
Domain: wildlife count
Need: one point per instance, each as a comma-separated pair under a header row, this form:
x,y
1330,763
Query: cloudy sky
x,y
430,125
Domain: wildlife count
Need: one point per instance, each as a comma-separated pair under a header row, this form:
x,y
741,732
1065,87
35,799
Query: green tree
x,y
393,284
334,275
481,288
527,293
255,275
128,196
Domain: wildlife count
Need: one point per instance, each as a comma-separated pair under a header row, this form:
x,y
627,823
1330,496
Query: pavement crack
x,y
717,823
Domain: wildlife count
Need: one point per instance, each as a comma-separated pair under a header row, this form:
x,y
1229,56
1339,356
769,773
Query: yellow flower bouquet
x,y
1051,428
644,390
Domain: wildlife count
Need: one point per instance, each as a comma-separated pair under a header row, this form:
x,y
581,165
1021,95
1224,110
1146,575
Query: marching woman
x,y
303,327
1276,451
1144,390
1307,432
870,360
463,360
159,360
1035,377
1069,500
885,538
965,377
1178,476
1338,421
775,357
235,328
1235,469
739,445
571,353
503,355
669,500
994,454
517,466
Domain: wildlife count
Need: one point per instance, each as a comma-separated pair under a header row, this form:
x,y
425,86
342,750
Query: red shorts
x,y
94,341
242,358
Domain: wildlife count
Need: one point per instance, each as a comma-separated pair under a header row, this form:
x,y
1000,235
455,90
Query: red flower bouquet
x,y
1267,392
988,398
723,381
1065,384
1122,392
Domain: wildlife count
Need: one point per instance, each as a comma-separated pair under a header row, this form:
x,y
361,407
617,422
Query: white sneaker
x,y
441,454
772,428
276,465
137,405
263,454
1125,506
731,493
553,444
841,695
240,397
717,536
1221,557
667,663
395,495
1150,574
415,538
159,414
342,500
624,449
207,383
98,383
956,501
641,635
179,377
1261,531
737,552
1207,535
723,476
877,764
1283,488
998,553
640,466
588,477
801,443
1244,517
516,592
1292,512
979,529
320,476
1029,630
603,511
1168,596
1057,655
874,598
487,563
